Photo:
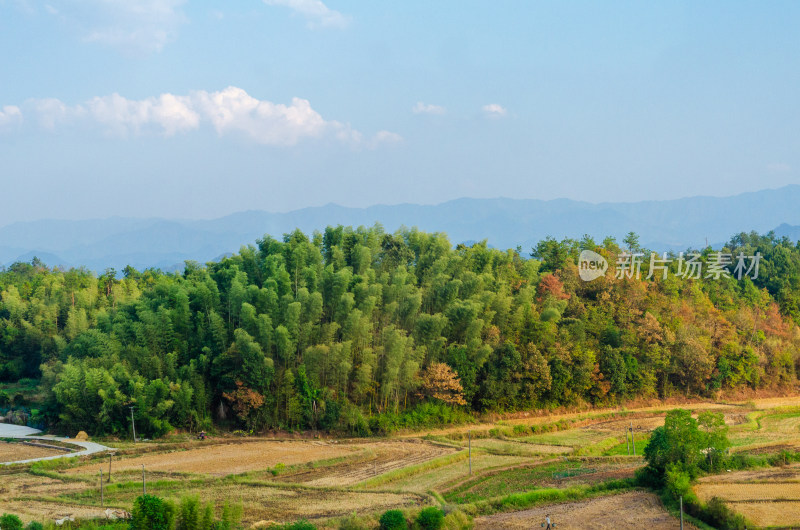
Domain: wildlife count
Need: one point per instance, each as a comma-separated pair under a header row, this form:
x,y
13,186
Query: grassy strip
x,y
521,501
598,448
408,471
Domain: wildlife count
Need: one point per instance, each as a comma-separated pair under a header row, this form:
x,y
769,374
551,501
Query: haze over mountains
x,y
506,223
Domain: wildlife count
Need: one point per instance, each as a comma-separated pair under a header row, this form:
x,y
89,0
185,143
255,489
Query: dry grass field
x,y
232,458
285,480
634,511
767,497
12,451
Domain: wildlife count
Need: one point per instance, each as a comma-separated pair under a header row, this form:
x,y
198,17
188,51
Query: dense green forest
x,y
358,330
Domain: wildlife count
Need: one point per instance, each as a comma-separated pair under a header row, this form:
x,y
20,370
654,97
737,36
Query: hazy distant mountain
x,y
506,223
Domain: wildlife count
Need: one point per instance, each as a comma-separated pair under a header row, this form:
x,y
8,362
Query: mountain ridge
x,y
673,224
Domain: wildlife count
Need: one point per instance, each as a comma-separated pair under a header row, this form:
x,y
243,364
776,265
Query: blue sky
x,y
197,109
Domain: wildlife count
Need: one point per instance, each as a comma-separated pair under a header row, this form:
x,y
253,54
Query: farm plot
x,y
634,511
449,475
13,451
379,458
549,474
260,500
511,447
574,438
767,497
232,458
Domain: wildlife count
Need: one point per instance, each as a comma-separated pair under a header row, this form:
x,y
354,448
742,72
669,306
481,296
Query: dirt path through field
x,y
635,511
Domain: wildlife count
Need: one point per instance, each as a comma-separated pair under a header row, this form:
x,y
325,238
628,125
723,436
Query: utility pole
x,y
470,452
627,441
633,440
133,424
110,455
144,484
102,500
681,512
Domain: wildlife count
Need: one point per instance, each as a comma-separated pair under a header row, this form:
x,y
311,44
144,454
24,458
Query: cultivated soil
x,y
635,511
232,458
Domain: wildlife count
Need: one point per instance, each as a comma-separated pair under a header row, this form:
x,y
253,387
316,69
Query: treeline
x,y
360,330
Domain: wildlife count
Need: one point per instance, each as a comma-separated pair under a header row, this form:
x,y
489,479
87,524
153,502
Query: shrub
x,y
10,522
718,514
457,520
430,518
520,430
151,513
34,525
393,520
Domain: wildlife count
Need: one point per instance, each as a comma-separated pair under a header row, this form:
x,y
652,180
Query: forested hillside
x,y
358,330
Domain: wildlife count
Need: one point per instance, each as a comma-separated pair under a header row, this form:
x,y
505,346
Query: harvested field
x,y
383,458
776,474
34,510
779,514
511,447
13,451
619,426
634,511
447,476
547,474
750,492
768,497
232,458
262,501
574,438
18,484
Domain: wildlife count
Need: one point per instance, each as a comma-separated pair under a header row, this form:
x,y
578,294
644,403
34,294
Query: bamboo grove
x,y
362,331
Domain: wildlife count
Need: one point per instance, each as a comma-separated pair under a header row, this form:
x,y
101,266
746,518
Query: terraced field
x,y
322,480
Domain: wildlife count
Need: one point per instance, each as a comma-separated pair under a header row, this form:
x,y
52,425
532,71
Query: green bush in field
x,y
10,522
33,525
189,516
152,513
393,520
430,518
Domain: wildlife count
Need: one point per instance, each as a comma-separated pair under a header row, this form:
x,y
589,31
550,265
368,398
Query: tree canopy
x,y
327,330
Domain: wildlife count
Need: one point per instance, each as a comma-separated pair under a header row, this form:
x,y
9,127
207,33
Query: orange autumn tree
x,y
440,382
244,400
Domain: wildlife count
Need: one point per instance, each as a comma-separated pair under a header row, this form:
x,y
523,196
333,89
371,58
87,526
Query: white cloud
x,y
427,108
387,137
316,13
52,112
122,116
10,115
131,25
234,110
779,167
231,111
493,110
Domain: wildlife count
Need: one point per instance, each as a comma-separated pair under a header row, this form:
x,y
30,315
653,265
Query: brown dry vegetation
x,y
326,478
231,458
381,457
767,497
634,511
14,451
